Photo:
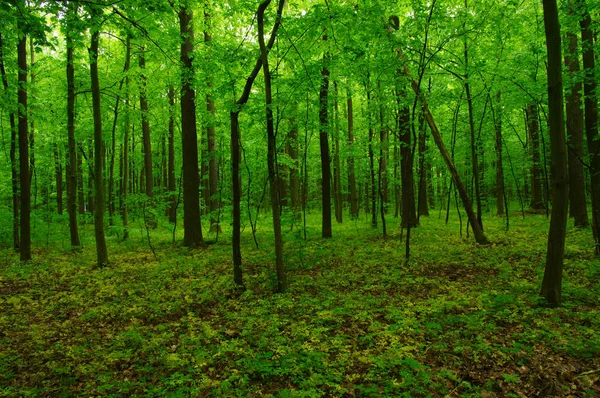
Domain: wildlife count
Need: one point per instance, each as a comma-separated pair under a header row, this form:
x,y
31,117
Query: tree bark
x,y
25,242
574,115
422,203
353,198
101,251
171,161
58,173
272,152
191,184
14,168
499,166
409,215
126,170
551,285
591,116
371,193
324,146
149,181
337,172
292,150
531,112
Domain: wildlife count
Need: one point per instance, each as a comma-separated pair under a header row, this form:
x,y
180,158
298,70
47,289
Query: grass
x,y
458,320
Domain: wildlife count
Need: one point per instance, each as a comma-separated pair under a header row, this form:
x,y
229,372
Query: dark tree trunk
x,y
191,184
171,161
25,243
213,164
574,108
353,198
79,177
409,215
236,156
14,168
324,145
422,206
32,170
58,172
90,180
292,151
397,191
272,152
101,251
499,167
591,116
537,201
126,170
371,193
551,285
337,172
149,182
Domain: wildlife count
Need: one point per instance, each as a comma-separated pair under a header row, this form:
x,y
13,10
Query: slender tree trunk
x,y
292,150
149,182
79,173
409,215
32,170
551,285
126,170
499,166
351,174
371,193
236,156
574,108
90,185
25,243
58,172
101,251
422,204
14,168
591,116
191,184
383,150
337,173
272,152
537,201
171,161
324,144
397,191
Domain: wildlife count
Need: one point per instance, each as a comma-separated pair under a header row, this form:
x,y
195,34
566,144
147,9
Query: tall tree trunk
x,y
499,166
213,164
191,184
32,170
14,168
171,161
101,251
90,186
409,215
149,181
25,243
435,132
79,172
591,116
353,198
574,108
531,112
551,285
371,193
337,173
126,170
236,156
292,151
324,145
272,152
383,149
397,191
422,204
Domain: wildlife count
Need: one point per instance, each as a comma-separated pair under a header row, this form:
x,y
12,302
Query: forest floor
x,y
457,320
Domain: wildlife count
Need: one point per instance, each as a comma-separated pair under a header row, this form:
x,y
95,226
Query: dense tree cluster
x,y
210,111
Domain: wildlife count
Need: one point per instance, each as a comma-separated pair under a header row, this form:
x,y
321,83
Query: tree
x,y
191,184
324,146
551,285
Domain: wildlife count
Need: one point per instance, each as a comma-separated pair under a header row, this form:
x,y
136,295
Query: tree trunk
x,y
25,243
126,153
32,170
422,203
499,167
58,172
551,285
191,184
101,251
591,116
213,164
371,193
292,150
272,152
409,215
324,145
537,201
337,172
574,108
353,198
149,182
171,161
14,168
79,172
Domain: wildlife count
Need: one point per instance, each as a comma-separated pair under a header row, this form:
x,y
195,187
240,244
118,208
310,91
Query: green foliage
x,y
458,319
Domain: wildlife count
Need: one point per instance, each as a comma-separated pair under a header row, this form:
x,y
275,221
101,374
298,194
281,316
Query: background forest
x,y
401,169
